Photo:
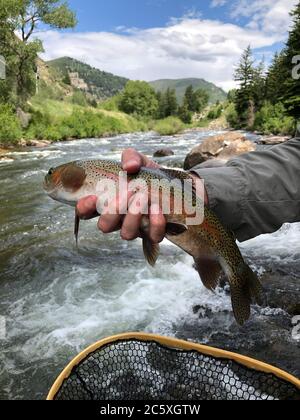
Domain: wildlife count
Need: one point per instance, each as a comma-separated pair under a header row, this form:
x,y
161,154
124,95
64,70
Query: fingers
x,y
157,228
112,215
138,206
132,161
130,224
86,208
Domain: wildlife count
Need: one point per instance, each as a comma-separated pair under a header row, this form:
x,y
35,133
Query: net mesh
x,y
138,370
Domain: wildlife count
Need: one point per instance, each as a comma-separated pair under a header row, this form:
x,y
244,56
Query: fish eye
x,y
51,171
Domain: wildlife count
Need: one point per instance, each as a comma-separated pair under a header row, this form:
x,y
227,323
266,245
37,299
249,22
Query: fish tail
x,y
245,287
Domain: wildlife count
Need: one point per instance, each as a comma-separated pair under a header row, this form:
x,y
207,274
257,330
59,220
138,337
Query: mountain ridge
x,y
215,93
103,85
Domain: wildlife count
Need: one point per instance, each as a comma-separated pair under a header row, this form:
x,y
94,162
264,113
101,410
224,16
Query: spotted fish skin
x,y
212,245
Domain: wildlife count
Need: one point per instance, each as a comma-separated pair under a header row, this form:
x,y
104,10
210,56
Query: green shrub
x,y
10,128
215,112
81,123
169,126
79,98
232,116
273,119
184,114
111,104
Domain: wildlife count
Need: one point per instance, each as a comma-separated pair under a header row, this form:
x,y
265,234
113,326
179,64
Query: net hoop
x,y
175,344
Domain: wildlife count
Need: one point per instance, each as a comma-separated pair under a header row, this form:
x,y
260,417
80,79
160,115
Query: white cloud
x,y
218,3
186,48
271,16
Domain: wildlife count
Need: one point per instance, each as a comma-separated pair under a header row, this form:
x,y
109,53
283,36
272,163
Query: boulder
x,y
236,148
215,147
163,153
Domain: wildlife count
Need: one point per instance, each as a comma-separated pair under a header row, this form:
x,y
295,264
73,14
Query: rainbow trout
x,y
212,246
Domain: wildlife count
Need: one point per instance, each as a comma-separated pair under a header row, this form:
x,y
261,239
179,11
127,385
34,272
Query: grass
x,y
169,126
58,120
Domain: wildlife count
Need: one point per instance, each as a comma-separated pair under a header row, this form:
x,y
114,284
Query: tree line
x,y
269,99
140,99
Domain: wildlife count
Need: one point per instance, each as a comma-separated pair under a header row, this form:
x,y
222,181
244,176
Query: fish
x,y
210,243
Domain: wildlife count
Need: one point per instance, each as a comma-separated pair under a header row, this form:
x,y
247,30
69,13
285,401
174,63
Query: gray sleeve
x,y
257,192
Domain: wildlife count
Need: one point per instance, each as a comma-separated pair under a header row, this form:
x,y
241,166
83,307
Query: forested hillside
x,y
180,85
99,83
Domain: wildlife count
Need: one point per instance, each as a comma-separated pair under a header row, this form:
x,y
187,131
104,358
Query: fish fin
x,y
76,226
255,287
244,286
209,271
151,250
175,229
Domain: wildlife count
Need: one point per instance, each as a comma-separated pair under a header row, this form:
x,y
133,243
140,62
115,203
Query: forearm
x,y
258,192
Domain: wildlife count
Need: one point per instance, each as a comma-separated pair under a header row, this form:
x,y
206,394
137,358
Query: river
x,y
56,300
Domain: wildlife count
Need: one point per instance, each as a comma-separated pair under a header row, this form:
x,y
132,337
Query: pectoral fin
x,y
76,226
151,250
209,271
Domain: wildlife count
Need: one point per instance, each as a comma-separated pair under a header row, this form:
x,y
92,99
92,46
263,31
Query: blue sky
x,y
152,39
108,15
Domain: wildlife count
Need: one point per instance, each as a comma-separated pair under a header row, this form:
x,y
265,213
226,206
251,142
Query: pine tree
x,y
276,77
291,96
195,101
244,98
259,85
171,103
201,99
189,99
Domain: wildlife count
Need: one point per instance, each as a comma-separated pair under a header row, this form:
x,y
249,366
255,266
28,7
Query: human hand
x,y
132,161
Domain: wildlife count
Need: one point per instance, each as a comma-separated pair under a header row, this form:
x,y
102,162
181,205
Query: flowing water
x,y
56,300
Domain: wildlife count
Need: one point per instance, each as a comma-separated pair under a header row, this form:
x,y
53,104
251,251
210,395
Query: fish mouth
x,y
53,194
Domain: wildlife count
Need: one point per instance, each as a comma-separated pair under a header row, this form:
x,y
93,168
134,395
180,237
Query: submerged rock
x,y
163,153
224,147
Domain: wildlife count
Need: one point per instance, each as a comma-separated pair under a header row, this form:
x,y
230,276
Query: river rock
x,y
163,153
273,140
282,291
215,147
38,143
236,148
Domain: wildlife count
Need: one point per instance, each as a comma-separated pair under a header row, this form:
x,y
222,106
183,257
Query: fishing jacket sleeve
x,y
257,192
